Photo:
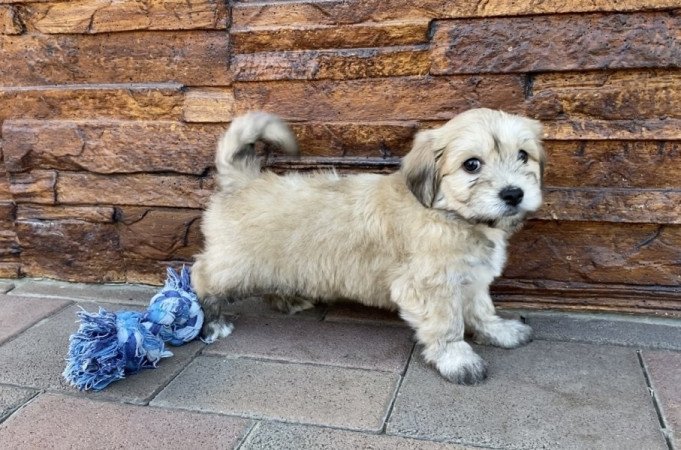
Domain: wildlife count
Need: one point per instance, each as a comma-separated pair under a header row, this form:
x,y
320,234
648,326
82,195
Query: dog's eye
x,y
522,155
472,165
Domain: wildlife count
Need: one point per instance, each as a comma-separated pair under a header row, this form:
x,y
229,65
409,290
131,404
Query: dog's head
x,y
483,165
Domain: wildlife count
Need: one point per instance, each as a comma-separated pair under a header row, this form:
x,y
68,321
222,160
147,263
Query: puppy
x,y
426,240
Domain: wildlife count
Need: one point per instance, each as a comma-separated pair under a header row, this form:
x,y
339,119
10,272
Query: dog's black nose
x,y
511,195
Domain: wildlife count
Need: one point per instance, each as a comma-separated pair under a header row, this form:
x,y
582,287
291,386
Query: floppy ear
x,y
419,168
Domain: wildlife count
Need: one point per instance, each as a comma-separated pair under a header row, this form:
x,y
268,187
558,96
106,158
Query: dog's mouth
x,y
511,211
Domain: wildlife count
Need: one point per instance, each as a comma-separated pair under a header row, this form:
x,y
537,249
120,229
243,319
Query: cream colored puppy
x,y
427,240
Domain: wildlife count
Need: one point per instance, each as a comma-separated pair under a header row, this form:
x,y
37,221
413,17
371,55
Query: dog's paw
x,y
460,364
213,331
504,333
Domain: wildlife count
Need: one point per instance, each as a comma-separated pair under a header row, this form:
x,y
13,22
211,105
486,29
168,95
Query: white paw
x,y
216,330
460,364
504,333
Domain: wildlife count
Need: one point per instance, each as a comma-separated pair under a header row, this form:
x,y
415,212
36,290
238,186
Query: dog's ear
x,y
419,167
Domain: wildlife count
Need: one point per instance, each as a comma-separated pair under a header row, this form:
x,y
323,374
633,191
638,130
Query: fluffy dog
x,y
426,240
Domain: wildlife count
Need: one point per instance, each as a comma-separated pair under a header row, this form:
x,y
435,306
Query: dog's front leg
x,y
435,311
487,327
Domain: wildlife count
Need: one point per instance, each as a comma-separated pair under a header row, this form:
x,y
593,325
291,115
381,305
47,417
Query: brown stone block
x,y
620,164
99,16
149,271
70,250
96,214
386,99
187,57
9,247
560,42
383,140
78,188
622,95
135,101
7,212
5,192
589,129
110,146
9,21
9,269
37,186
612,205
208,105
159,234
269,39
594,252
277,13
332,64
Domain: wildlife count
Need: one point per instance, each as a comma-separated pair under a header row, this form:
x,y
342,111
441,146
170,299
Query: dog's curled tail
x,y
235,159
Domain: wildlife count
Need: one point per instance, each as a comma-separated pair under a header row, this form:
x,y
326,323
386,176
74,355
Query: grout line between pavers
x,y
172,378
656,404
362,432
39,322
261,418
247,435
403,374
301,363
28,399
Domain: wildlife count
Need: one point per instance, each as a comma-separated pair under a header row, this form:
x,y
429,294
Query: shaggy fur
x,y
426,240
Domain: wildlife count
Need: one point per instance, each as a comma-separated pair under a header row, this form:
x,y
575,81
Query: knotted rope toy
x,y
108,346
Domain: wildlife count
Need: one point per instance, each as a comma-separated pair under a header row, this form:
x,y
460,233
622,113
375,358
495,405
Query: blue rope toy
x,y
108,346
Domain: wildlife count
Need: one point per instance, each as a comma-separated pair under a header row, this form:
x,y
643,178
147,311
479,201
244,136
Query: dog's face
x,y
484,165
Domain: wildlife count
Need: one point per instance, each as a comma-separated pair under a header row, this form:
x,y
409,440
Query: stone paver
x,y
82,423
6,286
11,398
607,329
317,395
129,294
36,359
273,435
664,370
356,313
19,313
307,341
543,395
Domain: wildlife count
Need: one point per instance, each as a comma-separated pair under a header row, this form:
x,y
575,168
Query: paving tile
x,y
356,313
280,436
664,370
133,294
36,359
544,395
316,395
6,286
19,313
59,421
256,306
307,341
11,398
607,329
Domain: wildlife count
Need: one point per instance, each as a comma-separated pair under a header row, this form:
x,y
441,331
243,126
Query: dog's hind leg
x,y
288,304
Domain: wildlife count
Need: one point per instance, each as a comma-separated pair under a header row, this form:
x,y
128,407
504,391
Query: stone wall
x,y
110,111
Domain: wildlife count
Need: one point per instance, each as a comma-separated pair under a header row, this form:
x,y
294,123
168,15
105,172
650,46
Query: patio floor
x,y
338,377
